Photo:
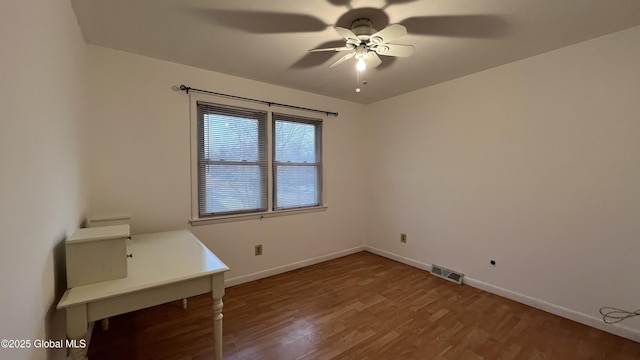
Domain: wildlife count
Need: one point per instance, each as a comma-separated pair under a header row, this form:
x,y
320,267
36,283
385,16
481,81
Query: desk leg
x,y
218,293
77,327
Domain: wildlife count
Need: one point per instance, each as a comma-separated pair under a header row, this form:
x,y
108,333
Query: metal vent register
x,y
447,274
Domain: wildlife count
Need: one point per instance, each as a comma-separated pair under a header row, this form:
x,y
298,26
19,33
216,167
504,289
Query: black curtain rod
x,y
187,89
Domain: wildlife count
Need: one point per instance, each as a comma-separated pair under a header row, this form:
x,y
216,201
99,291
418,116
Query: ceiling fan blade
x,y
348,35
395,50
343,48
467,26
343,59
387,34
314,59
372,60
263,22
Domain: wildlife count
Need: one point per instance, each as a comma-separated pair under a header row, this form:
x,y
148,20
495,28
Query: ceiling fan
x,y
360,31
362,41
365,43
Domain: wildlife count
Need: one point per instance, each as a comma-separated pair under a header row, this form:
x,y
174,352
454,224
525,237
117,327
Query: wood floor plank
x,y
360,306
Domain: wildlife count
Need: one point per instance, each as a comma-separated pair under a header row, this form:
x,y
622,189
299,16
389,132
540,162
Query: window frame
x,y
318,155
261,162
196,219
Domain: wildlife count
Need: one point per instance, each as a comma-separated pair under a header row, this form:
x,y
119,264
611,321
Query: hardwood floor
x,y
361,306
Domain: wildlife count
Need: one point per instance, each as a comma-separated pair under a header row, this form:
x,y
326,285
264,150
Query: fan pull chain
x,y
364,79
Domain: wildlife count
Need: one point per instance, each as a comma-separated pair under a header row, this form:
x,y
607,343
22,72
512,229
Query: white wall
x,y
42,192
140,162
534,164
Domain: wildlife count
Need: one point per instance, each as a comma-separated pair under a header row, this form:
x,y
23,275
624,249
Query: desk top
x,y
158,259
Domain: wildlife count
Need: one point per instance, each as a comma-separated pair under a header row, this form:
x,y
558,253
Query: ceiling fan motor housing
x,y
362,28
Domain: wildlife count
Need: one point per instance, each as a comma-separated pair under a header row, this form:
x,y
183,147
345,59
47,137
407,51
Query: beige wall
x,y
140,162
534,164
42,190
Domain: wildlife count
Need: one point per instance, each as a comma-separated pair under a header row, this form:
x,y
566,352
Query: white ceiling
x,y
269,40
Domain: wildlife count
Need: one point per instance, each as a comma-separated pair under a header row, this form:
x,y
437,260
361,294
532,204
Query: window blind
x,y
232,160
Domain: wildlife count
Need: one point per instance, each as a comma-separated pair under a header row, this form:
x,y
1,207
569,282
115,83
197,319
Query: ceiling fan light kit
x,y
365,43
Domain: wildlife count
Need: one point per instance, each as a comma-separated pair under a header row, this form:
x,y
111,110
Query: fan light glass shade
x,y
361,65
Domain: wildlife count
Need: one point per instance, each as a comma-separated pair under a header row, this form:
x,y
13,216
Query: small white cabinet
x,y
97,254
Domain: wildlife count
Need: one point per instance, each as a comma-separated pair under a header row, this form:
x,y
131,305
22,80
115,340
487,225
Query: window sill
x,y
262,215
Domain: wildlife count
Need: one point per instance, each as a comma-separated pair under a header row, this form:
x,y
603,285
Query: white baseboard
x,y
592,321
398,258
576,316
284,268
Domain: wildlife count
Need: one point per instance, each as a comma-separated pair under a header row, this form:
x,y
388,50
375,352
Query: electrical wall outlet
x,y
258,250
403,238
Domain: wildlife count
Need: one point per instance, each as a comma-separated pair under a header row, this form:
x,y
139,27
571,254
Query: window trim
x,y
195,220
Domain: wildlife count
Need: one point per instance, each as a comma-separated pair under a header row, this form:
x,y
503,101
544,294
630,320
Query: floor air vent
x,y
447,274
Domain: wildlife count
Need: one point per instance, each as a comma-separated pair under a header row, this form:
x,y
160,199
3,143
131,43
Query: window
x,y
232,160
242,168
296,164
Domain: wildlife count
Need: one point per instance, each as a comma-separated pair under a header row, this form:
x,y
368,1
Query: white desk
x,y
164,267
